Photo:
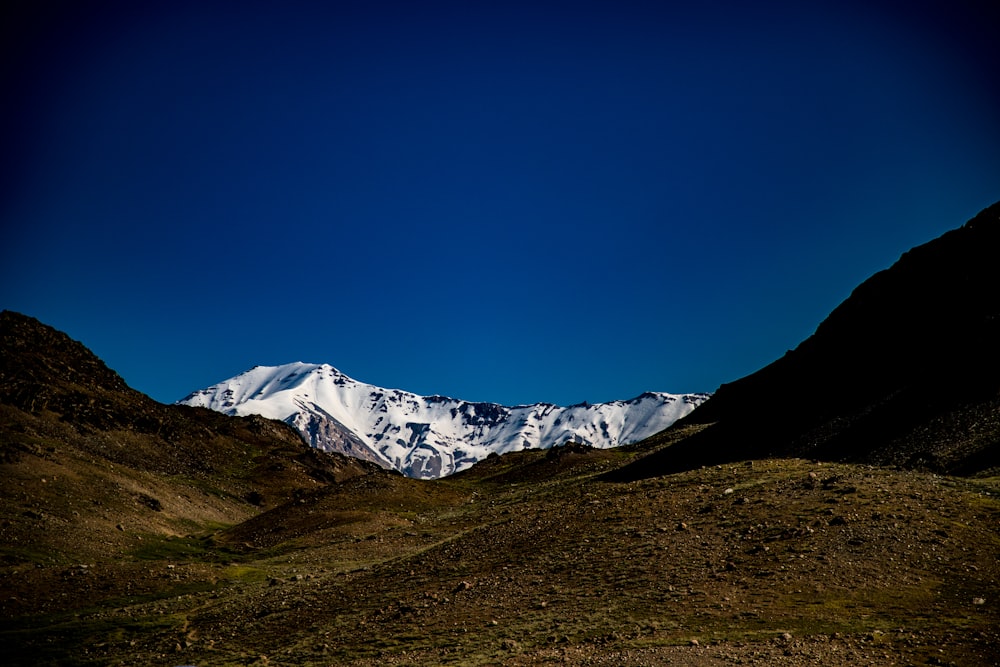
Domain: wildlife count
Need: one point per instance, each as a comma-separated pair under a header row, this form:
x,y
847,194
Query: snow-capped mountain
x,y
428,436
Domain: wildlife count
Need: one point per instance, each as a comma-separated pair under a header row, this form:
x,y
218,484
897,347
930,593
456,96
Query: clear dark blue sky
x,y
498,201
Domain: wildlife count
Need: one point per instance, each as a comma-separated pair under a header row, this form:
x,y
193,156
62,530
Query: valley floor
x,y
531,559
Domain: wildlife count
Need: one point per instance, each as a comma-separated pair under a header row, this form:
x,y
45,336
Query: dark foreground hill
x,y
133,533
905,372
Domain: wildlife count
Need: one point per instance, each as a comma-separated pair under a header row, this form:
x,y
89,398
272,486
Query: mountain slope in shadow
x,y
905,372
89,465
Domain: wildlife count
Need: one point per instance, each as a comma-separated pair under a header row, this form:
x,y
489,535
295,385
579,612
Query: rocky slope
x,y
427,437
905,372
88,462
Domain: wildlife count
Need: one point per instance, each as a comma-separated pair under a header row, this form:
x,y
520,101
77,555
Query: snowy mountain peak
x,y
429,436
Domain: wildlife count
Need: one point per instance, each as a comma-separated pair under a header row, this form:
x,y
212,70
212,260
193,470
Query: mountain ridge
x,y
59,401
428,437
904,372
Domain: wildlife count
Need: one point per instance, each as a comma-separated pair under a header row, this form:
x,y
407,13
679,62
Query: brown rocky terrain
x,y
768,562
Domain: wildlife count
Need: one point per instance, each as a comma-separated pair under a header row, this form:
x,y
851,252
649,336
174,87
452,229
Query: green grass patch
x,y
19,555
154,547
65,640
244,573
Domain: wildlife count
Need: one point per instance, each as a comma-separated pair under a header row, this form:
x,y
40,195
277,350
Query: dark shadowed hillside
x,y
905,372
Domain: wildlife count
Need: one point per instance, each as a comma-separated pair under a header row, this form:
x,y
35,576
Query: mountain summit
x,y
429,436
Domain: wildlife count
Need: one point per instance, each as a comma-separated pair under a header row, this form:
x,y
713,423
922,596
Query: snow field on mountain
x,y
432,436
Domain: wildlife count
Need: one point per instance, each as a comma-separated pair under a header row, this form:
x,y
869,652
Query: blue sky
x,y
497,201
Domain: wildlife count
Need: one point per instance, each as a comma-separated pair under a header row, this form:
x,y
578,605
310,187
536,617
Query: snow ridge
x,y
427,437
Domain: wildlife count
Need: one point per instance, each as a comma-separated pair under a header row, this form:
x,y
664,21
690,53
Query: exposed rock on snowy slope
x,y
429,436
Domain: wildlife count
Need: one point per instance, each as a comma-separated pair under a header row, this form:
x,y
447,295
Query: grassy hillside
x,y
776,562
